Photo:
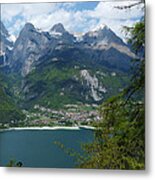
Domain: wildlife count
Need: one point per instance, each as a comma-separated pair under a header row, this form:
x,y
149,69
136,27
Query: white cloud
x,y
115,18
45,15
9,11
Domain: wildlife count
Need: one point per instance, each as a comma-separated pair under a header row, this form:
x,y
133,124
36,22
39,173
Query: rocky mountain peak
x,y
27,33
29,27
59,32
100,27
27,49
58,28
102,35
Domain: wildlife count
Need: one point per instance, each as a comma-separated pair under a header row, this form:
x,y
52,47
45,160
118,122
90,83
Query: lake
x,y
37,148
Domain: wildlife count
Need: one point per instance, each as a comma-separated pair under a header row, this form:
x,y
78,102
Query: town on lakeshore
x,y
71,115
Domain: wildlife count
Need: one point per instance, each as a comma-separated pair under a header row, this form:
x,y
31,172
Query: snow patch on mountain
x,y
100,27
55,34
78,36
11,38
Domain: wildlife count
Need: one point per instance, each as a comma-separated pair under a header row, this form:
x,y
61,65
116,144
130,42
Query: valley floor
x,y
71,116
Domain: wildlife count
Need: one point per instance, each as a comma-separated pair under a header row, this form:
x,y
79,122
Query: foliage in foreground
x,y
13,163
120,137
119,140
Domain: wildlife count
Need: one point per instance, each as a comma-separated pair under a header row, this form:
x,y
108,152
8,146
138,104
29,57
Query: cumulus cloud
x,y
45,15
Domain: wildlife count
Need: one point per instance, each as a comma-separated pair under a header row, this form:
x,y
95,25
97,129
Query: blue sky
x,y
78,17
79,6
86,5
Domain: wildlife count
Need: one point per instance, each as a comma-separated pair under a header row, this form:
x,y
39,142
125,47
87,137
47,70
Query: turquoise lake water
x,y
36,148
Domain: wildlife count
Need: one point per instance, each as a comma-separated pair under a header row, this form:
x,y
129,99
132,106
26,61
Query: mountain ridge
x,y
53,68
32,43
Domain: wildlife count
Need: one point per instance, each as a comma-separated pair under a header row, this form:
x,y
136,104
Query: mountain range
x,y
53,68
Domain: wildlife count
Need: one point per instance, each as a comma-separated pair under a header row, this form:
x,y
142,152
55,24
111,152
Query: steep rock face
x,y
27,49
6,45
95,87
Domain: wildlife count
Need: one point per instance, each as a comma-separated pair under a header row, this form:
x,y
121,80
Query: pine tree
x,y
120,136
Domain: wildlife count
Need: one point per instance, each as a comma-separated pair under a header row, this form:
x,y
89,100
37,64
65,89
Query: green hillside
x,y
55,85
9,113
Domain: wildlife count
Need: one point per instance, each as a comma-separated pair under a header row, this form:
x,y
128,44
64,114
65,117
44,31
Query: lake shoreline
x,y
48,128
